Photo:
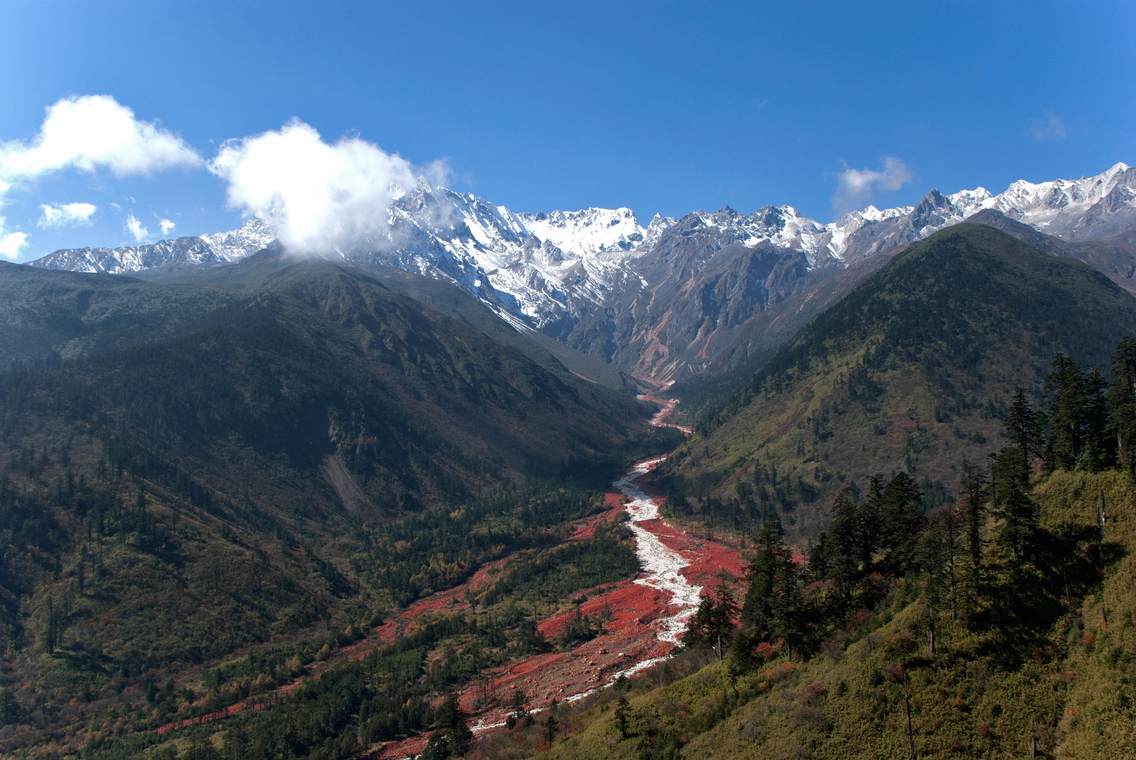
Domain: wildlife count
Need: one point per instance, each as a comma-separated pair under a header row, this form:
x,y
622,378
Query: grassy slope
x,y
1073,686
896,373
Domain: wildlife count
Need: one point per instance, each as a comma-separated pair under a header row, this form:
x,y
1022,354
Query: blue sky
x,y
658,106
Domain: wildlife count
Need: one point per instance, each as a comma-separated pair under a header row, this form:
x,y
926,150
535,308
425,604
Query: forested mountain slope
x,y
904,372
190,470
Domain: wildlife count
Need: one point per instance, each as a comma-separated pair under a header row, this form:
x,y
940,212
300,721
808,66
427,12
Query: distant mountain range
x,y
665,299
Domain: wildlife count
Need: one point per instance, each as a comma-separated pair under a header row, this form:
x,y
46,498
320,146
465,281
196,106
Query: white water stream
x,y
662,565
662,570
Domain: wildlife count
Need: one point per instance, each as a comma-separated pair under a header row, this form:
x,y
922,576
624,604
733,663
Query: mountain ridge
x,y
599,281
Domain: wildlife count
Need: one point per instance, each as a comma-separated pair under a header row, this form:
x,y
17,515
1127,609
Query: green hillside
x,y
906,372
195,510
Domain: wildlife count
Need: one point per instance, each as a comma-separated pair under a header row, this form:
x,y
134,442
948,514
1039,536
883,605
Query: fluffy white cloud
x,y
136,229
167,225
856,186
11,243
1048,128
66,213
91,132
318,197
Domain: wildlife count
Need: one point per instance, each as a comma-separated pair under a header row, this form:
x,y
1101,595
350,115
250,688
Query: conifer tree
x,y
1065,387
845,548
974,486
901,517
622,707
1122,404
712,624
1013,505
552,723
757,610
1098,450
1023,427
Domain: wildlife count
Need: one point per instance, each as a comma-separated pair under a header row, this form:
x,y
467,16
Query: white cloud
x,y
856,186
318,197
1048,128
65,213
167,225
139,232
90,132
11,243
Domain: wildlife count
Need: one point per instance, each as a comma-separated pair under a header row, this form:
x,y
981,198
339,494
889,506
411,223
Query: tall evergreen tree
x,y
844,549
712,624
1122,404
901,517
1012,504
1023,427
1065,387
769,555
974,487
1098,449
868,523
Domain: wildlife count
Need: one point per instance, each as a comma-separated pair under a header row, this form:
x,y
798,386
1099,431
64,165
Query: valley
x,y
643,617
473,495
672,381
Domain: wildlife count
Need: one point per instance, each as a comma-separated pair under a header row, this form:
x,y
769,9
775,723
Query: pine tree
x,y
622,707
937,559
901,518
552,723
757,609
868,522
790,615
453,737
1013,505
1065,387
1098,450
1023,427
974,488
712,624
845,549
1122,404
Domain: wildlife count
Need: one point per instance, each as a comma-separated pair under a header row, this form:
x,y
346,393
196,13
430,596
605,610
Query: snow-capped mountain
x,y
589,232
599,279
220,247
539,268
1085,209
252,236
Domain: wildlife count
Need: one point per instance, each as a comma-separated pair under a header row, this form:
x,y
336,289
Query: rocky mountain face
x,y
667,299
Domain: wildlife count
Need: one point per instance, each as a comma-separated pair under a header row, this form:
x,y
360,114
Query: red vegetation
x,y
632,611
213,716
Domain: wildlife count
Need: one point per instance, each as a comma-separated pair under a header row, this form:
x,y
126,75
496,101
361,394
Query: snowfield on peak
x,y
546,271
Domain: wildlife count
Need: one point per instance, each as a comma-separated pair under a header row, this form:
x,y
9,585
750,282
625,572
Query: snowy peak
x,y
588,232
549,270
252,236
1058,207
1081,209
658,225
